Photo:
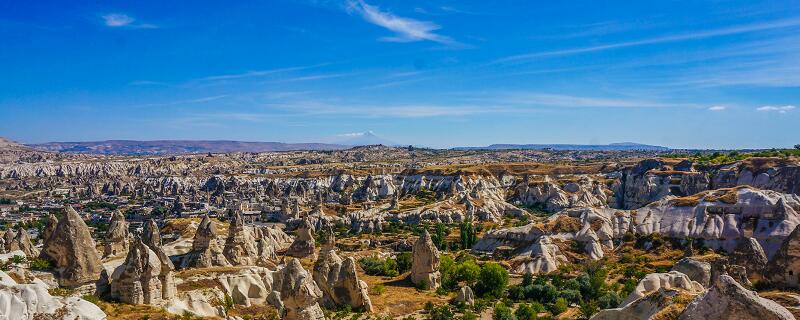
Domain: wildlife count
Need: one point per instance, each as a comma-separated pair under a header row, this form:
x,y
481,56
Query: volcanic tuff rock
x,y
23,243
72,250
749,254
696,270
784,268
668,281
117,237
52,222
206,251
727,299
543,256
303,245
138,279
240,247
339,282
33,301
152,238
299,293
425,263
584,193
466,296
8,239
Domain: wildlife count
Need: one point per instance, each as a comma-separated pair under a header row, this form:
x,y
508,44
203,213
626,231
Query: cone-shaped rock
x,y
117,240
240,247
23,242
206,251
139,280
339,282
303,245
52,222
425,262
298,292
72,251
152,238
784,269
727,299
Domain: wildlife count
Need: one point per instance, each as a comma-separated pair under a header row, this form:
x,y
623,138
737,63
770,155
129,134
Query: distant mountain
x,y
361,139
622,146
159,147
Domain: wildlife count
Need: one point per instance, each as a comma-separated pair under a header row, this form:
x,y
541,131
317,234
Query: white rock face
x,y
303,245
299,294
425,262
118,237
338,280
655,281
543,256
32,301
696,270
584,193
727,299
206,250
466,296
644,308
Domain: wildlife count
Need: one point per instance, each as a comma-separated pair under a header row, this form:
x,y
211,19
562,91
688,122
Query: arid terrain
x,y
378,232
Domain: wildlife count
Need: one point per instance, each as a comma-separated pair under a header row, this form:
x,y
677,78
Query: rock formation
x,y
784,268
152,238
668,281
339,282
138,279
117,237
298,292
727,299
23,243
696,270
240,247
8,239
72,251
33,302
749,254
206,251
52,222
466,296
303,245
541,257
425,263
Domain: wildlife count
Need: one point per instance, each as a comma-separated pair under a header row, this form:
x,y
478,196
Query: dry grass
x,y
205,271
122,311
399,296
564,224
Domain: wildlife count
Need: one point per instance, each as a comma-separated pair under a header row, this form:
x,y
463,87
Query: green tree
x,y
492,280
559,306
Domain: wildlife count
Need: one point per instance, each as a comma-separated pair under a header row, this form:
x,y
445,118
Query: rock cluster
x,y
72,251
543,256
117,237
696,270
299,294
425,263
22,242
338,280
784,268
206,250
240,247
303,245
32,301
139,279
727,299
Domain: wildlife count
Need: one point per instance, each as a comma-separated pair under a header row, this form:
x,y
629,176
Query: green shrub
x,y
492,280
525,312
41,264
502,312
559,306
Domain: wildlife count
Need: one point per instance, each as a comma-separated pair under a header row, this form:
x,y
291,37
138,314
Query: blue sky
x,y
696,74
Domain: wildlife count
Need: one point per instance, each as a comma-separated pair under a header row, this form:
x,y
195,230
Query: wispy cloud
x,y
316,108
186,101
781,109
717,108
574,101
118,20
405,29
779,24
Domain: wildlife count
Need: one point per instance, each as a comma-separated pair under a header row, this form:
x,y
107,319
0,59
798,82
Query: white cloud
x,y
779,24
781,109
717,108
406,29
116,20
